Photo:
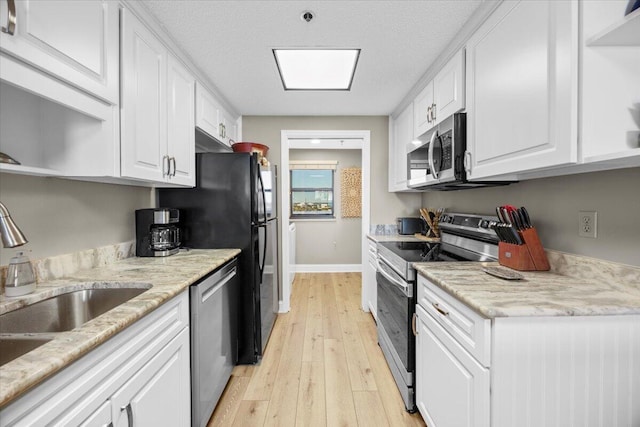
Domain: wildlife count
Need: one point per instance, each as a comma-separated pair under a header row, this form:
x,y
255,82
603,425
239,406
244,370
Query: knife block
x,y
529,256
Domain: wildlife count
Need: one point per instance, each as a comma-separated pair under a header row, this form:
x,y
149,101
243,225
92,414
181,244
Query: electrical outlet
x,y
588,224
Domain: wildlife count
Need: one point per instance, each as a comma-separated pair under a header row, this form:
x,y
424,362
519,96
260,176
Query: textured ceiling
x,y
231,42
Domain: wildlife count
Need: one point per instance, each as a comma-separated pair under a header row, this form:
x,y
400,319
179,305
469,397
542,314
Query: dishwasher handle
x,y
215,285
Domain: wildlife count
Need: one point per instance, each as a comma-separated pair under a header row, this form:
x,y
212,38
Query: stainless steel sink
x,y
66,311
12,348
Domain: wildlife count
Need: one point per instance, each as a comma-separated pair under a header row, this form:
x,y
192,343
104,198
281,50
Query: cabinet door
x,y
144,107
159,394
76,41
422,119
402,134
372,267
452,388
521,82
448,88
207,112
181,132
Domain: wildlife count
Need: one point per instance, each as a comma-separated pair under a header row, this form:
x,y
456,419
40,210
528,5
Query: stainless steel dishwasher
x,y
214,342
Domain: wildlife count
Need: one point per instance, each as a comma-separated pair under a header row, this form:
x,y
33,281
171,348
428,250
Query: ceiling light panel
x,y
316,69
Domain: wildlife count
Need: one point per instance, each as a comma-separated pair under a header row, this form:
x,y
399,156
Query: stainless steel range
x,y
465,237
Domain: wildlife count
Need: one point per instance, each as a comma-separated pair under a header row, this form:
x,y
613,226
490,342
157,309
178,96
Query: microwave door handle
x,y
432,143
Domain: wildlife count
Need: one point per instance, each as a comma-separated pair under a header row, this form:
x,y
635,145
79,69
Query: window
x,y
312,193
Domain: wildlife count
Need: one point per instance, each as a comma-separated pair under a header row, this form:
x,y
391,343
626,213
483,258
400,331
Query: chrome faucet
x,y
11,234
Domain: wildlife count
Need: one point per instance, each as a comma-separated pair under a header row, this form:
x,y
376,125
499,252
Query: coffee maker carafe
x,y
157,232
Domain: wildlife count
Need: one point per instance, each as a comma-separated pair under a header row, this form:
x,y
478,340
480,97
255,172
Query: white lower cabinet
x,y
157,394
453,388
369,289
510,371
139,377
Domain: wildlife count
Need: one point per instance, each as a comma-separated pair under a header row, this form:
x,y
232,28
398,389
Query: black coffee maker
x,y
157,232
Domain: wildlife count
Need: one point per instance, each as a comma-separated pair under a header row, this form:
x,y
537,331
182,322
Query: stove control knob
x,y
484,224
445,218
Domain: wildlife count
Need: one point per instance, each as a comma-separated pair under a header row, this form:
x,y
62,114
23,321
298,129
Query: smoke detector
x,y
307,16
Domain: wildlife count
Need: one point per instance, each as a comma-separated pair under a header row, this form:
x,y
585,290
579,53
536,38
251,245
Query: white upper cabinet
x,y
521,88
448,88
157,120
423,114
442,96
401,134
213,119
144,112
181,118
76,41
610,84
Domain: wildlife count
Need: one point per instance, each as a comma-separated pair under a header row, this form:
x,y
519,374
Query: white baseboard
x,y
328,268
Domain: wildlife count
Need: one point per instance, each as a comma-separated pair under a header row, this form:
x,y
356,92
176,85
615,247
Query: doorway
x,y
321,139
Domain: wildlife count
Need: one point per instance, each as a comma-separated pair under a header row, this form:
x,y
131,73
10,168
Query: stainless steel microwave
x,y
437,161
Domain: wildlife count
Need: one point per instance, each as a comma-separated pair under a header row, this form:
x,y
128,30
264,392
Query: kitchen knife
x,y
526,217
499,213
505,215
515,220
515,237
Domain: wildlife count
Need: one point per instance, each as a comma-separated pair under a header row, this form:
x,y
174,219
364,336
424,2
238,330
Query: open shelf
x,y
626,32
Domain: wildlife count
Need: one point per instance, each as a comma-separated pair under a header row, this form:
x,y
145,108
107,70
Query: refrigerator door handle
x,y
264,250
264,200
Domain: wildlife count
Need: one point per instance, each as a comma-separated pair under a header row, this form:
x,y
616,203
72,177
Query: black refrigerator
x,y
233,205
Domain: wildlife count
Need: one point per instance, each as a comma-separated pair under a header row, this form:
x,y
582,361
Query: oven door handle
x,y
403,286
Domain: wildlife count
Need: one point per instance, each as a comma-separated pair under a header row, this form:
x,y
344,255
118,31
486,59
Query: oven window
x,y
395,310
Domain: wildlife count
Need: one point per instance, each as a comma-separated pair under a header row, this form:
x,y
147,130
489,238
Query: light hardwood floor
x,y
322,366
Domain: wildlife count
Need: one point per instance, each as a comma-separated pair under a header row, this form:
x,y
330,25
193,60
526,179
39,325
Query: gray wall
x,y
385,206
331,241
554,204
61,216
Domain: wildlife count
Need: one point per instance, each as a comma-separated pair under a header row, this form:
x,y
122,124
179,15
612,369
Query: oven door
x,y
396,305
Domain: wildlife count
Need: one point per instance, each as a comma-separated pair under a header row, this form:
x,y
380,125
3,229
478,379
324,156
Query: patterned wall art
x,y
351,192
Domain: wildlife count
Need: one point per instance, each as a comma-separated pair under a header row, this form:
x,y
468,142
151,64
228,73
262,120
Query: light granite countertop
x,y
167,277
393,238
539,294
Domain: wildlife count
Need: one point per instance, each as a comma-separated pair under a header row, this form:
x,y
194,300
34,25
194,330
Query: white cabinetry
x,y
442,96
142,372
59,74
157,109
452,388
521,88
511,371
610,83
401,134
212,119
369,289
157,394
76,41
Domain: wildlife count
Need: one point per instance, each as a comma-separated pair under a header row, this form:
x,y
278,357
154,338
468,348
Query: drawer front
x,y
468,328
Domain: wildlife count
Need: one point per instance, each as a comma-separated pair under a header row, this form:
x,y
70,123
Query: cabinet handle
x,y
173,160
11,18
433,112
220,130
166,165
429,115
441,311
413,324
129,410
